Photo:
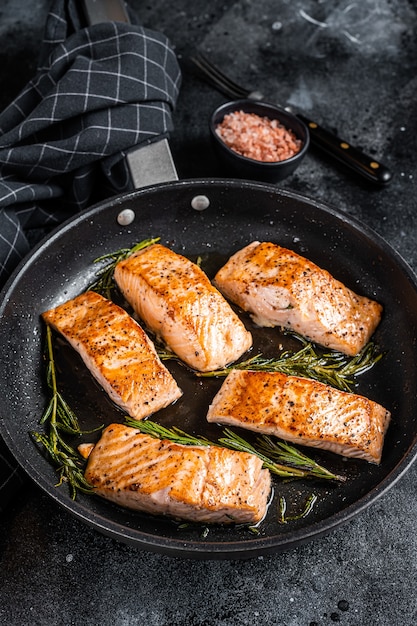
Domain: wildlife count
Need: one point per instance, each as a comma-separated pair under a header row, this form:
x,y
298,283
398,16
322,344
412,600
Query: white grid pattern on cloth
x,y
106,89
9,238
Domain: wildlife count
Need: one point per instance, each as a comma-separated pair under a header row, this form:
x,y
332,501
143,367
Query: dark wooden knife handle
x,y
355,159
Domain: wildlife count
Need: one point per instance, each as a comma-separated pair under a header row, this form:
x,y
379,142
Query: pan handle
x,y
150,163
345,153
97,11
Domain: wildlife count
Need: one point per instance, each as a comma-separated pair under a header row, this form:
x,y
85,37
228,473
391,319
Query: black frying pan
x,y
239,212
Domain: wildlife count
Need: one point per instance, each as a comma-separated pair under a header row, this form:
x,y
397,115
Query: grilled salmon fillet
x,y
281,288
117,352
177,301
203,484
302,411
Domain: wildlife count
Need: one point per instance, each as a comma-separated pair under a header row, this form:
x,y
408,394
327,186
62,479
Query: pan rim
x,y
207,549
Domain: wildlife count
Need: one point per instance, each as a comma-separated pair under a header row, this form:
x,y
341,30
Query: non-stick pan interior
x,y
239,212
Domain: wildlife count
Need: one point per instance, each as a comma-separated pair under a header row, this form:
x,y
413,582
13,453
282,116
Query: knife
x,y
348,155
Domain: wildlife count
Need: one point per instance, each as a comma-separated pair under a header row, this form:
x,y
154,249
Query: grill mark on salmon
x,y
281,288
302,411
117,352
202,484
177,301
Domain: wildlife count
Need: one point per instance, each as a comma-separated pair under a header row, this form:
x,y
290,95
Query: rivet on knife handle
x,y
353,158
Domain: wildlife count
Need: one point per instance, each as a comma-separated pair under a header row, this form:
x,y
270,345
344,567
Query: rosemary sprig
x,y
283,452
332,368
60,418
164,353
174,434
284,519
289,464
297,465
104,284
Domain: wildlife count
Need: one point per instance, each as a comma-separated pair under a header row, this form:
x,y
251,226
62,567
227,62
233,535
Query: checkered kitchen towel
x,y
99,92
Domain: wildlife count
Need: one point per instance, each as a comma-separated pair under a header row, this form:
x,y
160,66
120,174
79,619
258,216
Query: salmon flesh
x,y
117,352
281,288
196,483
302,411
177,301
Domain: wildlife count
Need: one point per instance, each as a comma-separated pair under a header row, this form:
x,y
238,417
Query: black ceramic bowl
x,y
244,167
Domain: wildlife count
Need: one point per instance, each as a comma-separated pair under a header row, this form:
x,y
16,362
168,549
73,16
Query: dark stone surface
x,y
353,67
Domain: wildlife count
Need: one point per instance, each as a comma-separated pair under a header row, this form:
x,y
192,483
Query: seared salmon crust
x,y
203,484
117,352
177,301
278,287
302,411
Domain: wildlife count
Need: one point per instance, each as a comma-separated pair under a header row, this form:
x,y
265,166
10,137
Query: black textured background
x,y
352,66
